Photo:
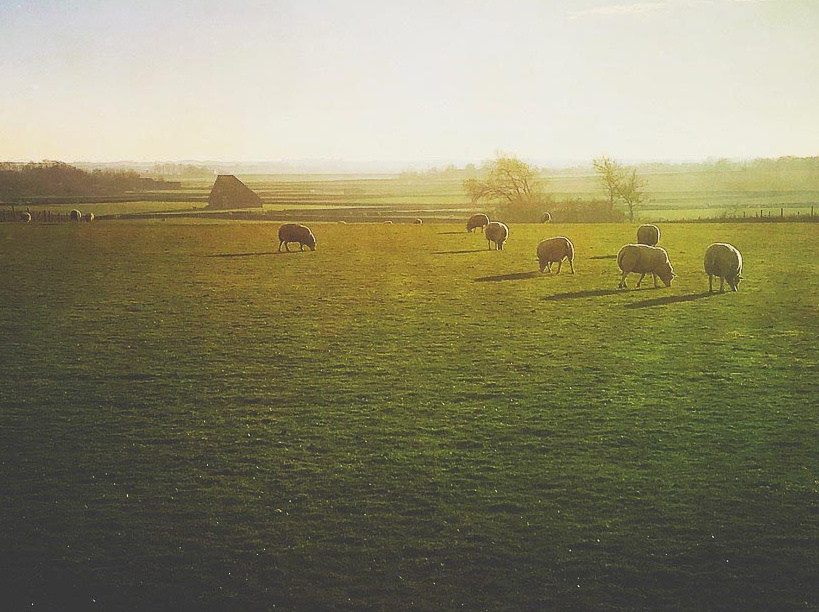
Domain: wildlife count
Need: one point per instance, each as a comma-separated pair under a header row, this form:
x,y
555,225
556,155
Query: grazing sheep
x,y
88,217
387,222
648,234
293,232
418,221
555,249
644,259
25,217
496,232
75,215
725,261
546,217
480,220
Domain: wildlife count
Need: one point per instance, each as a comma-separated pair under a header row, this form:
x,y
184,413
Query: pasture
x,y
404,420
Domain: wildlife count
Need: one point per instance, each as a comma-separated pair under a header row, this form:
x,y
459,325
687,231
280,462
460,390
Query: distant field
x,y
695,195
404,420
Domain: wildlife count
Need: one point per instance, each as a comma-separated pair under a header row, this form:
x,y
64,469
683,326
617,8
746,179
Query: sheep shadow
x,y
669,299
459,252
508,277
453,233
604,257
580,294
246,254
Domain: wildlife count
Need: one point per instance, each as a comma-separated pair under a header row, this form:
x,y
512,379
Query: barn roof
x,y
229,192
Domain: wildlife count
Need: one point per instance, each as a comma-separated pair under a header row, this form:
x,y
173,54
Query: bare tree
x,y
632,191
611,175
511,182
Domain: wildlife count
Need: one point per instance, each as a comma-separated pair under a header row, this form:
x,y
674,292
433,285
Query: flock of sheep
x,y
722,260
74,215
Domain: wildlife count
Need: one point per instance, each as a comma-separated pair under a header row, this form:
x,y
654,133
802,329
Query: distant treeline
x,y
803,167
20,182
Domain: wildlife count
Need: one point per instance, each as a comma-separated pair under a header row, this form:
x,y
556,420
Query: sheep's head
x,y
666,274
311,242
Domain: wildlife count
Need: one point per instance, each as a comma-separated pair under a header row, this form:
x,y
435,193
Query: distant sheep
x,y
25,217
546,217
293,232
387,222
723,260
418,221
88,217
75,215
477,221
644,259
555,250
496,232
648,234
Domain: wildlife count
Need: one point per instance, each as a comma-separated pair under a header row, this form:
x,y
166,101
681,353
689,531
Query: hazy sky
x,y
397,80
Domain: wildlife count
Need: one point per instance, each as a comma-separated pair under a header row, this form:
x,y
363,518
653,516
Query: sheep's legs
x,y
641,279
622,281
710,283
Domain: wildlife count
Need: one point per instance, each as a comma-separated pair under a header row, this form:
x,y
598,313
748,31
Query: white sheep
x,y
723,260
418,221
479,220
25,217
546,217
496,232
644,259
555,250
293,232
88,217
648,234
75,215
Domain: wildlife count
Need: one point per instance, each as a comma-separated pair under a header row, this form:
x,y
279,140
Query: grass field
x,y
404,420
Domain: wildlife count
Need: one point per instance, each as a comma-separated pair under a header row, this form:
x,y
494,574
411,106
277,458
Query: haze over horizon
x,y
427,80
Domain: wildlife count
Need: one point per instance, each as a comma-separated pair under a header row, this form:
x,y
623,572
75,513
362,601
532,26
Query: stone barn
x,y
230,192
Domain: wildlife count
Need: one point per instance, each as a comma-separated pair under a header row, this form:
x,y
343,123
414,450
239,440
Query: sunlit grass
x,y
403,419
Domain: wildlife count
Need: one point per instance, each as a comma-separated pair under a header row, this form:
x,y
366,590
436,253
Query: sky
x,y
456,81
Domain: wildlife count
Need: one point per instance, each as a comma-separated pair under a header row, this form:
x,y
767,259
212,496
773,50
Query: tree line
x,y
22,181
517,190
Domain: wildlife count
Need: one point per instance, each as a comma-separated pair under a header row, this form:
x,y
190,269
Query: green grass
x,y
404,420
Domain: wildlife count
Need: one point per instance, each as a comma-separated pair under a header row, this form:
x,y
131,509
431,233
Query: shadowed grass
x,y
670,299
367,428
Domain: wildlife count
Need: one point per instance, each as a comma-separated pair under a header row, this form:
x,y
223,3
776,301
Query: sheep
x,y
75,215
387,222
418,221
88,217
555,249
648,234
25,217
496,232
480,220
723,260
645,259
546,217
293,232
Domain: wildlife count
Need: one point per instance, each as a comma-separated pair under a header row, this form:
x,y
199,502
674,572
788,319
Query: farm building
x,y
230,192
